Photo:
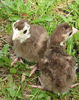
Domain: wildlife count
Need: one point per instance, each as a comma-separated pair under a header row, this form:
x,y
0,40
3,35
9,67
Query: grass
x,y
48,13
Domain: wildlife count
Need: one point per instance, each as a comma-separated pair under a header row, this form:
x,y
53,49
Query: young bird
x,y
30,41
56,67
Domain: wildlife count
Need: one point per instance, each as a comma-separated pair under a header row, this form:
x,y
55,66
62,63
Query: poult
x,y
30,41
57,68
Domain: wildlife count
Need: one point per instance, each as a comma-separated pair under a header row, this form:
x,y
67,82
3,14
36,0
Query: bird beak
x,y
15,36
74,30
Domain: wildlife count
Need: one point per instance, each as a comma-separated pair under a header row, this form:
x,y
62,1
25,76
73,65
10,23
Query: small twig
x,y
69,13
3,40
4,79
2,30
34,78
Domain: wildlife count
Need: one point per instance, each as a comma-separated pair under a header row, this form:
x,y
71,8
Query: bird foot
x,y
16,60
74,85
34,68
31,67
35,86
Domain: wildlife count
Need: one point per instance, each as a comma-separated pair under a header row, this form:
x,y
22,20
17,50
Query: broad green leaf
x,y
12,92
43,19
5,49
13,70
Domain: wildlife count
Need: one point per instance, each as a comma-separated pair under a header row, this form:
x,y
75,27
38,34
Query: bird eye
x,y
25,31
70,33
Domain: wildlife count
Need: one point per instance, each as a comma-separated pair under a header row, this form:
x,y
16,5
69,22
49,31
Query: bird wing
x,y
42,44
41,38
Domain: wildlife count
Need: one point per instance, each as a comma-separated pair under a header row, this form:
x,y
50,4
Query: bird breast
x,y
26,51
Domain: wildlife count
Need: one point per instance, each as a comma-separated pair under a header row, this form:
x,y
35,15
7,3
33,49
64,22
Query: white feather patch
x,y
18,34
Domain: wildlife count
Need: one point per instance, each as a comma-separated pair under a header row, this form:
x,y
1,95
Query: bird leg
x,y
35,86
16,60
40,81
38,86
34,68
74,85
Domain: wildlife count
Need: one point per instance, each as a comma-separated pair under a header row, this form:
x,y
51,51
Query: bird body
x,y
56,67
57,71
30,41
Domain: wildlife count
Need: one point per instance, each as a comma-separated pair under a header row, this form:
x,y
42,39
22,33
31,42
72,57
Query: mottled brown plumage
x,y
57,72
57,68
58,38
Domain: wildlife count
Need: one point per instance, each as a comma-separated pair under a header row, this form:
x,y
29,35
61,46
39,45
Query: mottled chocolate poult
x,y
30,41
57,68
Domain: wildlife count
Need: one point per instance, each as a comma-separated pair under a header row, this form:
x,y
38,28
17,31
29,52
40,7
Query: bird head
x,y
21,30
63,32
